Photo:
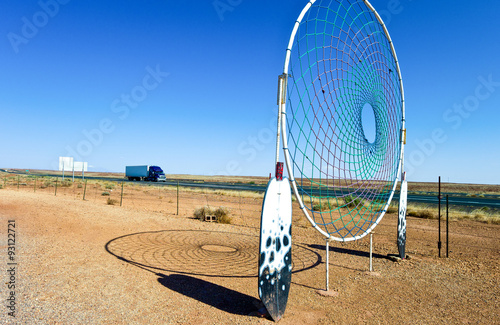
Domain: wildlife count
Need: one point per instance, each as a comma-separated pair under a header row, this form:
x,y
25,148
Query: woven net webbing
x,y
341,63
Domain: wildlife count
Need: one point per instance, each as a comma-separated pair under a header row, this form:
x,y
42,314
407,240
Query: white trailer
x,y
136,173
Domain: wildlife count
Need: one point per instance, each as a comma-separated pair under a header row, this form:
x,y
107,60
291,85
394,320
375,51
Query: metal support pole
x,y
439,217
85,190
55,191
281,101
371,252
447,228
327,264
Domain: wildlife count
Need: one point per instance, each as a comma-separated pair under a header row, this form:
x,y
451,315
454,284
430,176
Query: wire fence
x,y
244,208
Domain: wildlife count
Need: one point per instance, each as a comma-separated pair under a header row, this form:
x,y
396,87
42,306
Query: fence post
x,y
121,196
55,191
439,217
177,197
85,190
447,228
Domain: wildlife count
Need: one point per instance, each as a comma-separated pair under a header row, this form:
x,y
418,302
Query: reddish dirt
x,y
89,262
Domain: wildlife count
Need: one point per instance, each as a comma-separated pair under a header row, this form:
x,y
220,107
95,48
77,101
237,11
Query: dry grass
x,y
320,204
393,209
221,213
111,201
47,183
427,212
109,186
468,189
66,183
206,191
221,179
353,203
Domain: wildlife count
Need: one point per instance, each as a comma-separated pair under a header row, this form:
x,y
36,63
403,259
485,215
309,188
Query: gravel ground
x,y
81,262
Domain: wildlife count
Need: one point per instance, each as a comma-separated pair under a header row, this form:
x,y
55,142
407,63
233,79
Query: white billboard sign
x,y
80,166
66,164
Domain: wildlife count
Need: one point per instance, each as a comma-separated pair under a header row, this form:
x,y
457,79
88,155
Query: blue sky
x,y
192,88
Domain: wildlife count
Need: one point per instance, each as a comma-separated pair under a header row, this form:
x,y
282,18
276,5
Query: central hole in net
x,y
368,122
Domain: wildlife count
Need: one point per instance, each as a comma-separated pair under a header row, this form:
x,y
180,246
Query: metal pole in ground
x,y
327,264
447,228
177,197
439,217
121,197
55,191
371,252
85,190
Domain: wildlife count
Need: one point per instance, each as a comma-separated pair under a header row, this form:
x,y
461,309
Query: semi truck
x,y
145,173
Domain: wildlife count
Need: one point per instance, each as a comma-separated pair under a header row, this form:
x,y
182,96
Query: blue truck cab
x,y
156,174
